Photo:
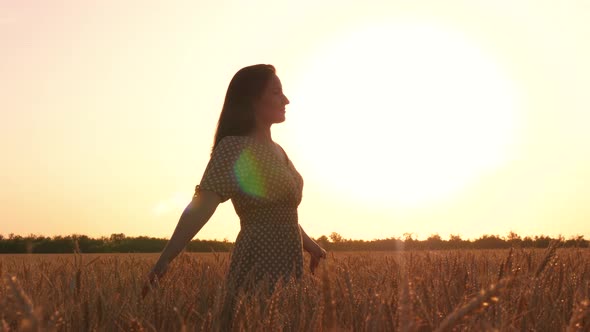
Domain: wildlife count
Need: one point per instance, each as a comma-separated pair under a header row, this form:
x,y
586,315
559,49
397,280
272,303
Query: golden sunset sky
x,y
423,117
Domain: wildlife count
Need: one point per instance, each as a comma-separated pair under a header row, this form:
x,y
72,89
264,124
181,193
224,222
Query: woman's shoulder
x,y
230,143
232,140
235,138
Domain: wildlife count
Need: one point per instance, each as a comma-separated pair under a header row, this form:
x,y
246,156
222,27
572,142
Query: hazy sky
x,y
454,117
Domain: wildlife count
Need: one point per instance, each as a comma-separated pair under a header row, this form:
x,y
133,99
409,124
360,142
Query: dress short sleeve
x,y
220,176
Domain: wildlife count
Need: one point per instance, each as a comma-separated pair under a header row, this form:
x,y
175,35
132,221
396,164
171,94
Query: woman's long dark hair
x,y
237,114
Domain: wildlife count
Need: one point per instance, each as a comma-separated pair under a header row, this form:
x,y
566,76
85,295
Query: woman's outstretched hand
x,y
315,256
153,278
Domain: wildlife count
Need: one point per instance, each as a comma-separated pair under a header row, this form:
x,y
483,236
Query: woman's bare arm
x,y
193,218
316,252
309,244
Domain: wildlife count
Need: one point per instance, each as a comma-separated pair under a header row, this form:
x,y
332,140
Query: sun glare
x,y
173,204
402,114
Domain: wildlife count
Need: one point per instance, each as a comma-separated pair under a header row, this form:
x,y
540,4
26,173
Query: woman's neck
x,y
262,134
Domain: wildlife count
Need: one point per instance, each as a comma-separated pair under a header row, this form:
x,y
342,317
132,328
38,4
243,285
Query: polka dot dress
x,y
265,189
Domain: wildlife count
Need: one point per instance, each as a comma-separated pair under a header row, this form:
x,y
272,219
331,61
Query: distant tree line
x,y
435,242
116,243
119,243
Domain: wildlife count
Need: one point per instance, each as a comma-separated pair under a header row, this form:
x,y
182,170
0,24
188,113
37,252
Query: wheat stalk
x,y
31,321
549,253
580,314
406,313
475,303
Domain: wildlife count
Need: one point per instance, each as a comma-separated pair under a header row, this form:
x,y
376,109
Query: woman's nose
x,y
286,100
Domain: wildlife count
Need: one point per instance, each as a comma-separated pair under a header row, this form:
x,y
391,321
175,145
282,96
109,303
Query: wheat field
x,y
493,290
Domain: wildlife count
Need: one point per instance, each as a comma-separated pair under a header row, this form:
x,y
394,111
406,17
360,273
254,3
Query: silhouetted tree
x,y
434,241
335,237
514,239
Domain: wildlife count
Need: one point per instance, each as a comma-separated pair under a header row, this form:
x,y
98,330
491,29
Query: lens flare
x,y
249,174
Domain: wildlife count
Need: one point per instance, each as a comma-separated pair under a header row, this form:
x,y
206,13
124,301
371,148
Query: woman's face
x,y
270,108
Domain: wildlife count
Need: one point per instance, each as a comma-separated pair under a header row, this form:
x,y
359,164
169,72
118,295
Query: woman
x,y
247,167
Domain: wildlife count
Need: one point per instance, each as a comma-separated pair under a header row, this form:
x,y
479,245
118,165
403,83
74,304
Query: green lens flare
x,y
249,175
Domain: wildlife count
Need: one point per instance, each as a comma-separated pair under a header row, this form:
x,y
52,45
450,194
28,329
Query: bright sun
x,y
401,114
